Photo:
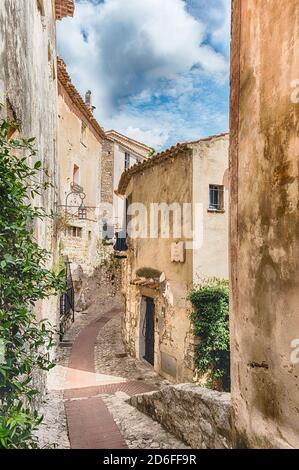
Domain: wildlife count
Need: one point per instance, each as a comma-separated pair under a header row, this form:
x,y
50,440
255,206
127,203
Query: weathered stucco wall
x,y
264,222
167,182
198,416
210,166
183,178
107,172
28,91
83,150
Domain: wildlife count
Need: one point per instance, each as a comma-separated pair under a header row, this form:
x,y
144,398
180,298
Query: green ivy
x,y
210,318
24,279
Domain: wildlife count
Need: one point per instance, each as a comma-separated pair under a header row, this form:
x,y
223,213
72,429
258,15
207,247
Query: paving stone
x,y
138,430
91,426
88,414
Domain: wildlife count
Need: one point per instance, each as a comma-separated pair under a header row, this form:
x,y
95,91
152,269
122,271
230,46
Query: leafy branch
x,y
210,318
24,280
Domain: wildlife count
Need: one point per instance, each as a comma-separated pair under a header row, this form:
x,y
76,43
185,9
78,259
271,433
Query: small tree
x,y
210,318
24,279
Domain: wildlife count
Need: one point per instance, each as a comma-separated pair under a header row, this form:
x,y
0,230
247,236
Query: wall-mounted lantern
x,y
82,211
79,206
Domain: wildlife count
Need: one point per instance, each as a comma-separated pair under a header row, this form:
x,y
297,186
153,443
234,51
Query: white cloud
x,y
155,137
221,35
216,15
130,52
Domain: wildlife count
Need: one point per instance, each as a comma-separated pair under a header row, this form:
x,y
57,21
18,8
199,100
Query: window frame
x,y
41,7
216,198
127,160
74,232
76,174
83,133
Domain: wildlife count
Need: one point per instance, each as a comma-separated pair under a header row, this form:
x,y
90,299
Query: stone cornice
x,y
129,143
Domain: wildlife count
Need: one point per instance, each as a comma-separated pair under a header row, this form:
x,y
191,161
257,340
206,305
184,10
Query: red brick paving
x,y
90,425
82,355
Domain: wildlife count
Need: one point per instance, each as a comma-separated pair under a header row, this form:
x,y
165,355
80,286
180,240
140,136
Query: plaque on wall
x,y
168,364
178,252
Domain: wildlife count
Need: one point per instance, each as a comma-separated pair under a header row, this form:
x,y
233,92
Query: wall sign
x,y
178,252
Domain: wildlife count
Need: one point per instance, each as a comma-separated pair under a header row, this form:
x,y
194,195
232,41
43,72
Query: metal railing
x,y
67,301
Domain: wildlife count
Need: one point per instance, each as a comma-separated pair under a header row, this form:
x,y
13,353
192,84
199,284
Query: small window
x,y
40,6
216,200
127,160
75,232
76,174
89,235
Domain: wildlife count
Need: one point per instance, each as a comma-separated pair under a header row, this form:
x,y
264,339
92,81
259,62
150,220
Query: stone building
x,y
264,252
80,152
178,233
120,153
28,91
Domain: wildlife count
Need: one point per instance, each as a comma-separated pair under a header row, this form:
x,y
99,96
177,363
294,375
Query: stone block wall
x,y
107,172
191,341
28,91
174,359
198,416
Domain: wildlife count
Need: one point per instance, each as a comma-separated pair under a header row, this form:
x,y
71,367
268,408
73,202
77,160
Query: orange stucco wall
x,y
264,248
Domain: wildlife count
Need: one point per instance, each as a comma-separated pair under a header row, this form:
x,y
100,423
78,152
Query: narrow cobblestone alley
x,y
86,405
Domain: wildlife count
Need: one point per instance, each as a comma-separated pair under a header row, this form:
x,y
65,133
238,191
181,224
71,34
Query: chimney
x,y
88,99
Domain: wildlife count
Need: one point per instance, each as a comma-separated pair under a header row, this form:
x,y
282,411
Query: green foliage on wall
x,y
25,342
151,153
210,318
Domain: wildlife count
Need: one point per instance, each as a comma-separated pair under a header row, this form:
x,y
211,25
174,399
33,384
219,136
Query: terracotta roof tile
x,y
185,148
66,81
210,137
150,162
64,8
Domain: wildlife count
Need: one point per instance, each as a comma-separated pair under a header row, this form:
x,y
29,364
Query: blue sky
x,y
158,69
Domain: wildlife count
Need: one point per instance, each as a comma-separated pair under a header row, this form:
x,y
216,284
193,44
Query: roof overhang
x,y
137,149
179,149
65,80
127,141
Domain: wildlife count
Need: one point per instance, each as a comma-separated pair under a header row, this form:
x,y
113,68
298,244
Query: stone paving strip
x,y
90,425
138,430
107,361
86,406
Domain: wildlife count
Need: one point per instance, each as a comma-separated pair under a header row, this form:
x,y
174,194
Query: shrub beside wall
x,y
25,341
210,317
